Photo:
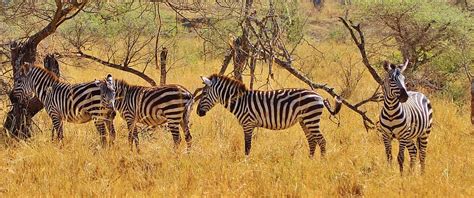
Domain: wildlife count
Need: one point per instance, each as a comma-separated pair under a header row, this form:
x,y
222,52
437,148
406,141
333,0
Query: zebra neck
x,y
234,104
391,104
121,95
43,85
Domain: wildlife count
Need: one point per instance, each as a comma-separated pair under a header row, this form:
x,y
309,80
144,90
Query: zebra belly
x,y
153,121
79,119
280,126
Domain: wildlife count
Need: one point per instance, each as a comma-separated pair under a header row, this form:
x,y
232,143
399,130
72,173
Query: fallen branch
x,y
376,97
329,90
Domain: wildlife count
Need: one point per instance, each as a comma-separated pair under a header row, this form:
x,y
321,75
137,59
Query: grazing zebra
x,y
406,116
154,106
76,103
276,110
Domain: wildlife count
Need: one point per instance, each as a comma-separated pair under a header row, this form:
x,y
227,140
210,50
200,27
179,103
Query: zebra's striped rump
x,y
76,103
276,110
153,106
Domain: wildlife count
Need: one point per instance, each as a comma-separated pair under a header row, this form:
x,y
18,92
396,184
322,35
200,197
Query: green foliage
x,y
435,36
291,19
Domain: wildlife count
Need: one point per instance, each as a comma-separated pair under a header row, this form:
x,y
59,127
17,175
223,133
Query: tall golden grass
x,y
355,164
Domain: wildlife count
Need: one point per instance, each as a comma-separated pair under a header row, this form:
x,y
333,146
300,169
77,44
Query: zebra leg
x,y
248,131
311,139
174,129
110,127
422,144
135,139
99,124
412,151
52,133
387,141
187,134
401,153
57,126
132,133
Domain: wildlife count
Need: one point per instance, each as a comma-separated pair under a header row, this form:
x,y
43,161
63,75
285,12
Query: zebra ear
x,y
25,68
110,82
206,81
404,66
109,77
97,82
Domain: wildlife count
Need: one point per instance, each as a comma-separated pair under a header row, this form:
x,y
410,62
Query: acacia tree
x,y
428,34
18,120
124,36
38,21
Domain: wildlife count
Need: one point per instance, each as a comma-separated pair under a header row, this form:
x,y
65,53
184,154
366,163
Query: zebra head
x,y
22,87
107,91
209,97
394,83
218,89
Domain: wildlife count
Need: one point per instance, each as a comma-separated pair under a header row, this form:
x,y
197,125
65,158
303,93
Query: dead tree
x,y
18,121
265,40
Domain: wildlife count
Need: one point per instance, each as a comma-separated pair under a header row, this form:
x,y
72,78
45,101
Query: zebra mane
x,y
231,81
50,74
121,81
124,83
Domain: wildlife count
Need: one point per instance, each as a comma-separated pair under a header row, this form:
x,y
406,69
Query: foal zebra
x,y
405,116
154,106
276,110
76,103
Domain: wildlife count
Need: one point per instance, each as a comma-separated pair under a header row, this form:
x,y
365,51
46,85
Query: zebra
x,y
406,115
276,110
76,103
154,106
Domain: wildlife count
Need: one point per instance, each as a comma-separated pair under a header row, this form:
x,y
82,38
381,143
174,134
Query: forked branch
x,y
360,42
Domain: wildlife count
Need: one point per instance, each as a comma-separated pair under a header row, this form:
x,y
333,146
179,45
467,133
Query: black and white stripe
x,y
406,116
76,103
276,110
153,106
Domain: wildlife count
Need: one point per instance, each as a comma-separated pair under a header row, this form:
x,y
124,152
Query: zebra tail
x,y
187,112
337,108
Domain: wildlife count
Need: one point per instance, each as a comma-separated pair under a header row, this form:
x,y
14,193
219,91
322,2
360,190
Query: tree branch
x,y
117,66
360,42
329,90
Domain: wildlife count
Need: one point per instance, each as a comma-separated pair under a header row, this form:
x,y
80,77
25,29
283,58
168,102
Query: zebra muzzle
x,y
201,112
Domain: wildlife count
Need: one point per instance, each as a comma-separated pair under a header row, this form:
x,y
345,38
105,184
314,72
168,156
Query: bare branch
x,y
329,90
117,66
360,42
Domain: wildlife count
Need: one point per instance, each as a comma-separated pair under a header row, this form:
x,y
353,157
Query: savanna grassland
x,y
355,163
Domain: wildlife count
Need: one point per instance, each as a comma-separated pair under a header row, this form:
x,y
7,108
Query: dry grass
x,y
278,166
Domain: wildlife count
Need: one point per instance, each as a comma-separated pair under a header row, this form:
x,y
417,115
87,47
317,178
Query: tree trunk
x,y
253,63
241,44
163,56
240,56
472,101
228,56
18,121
